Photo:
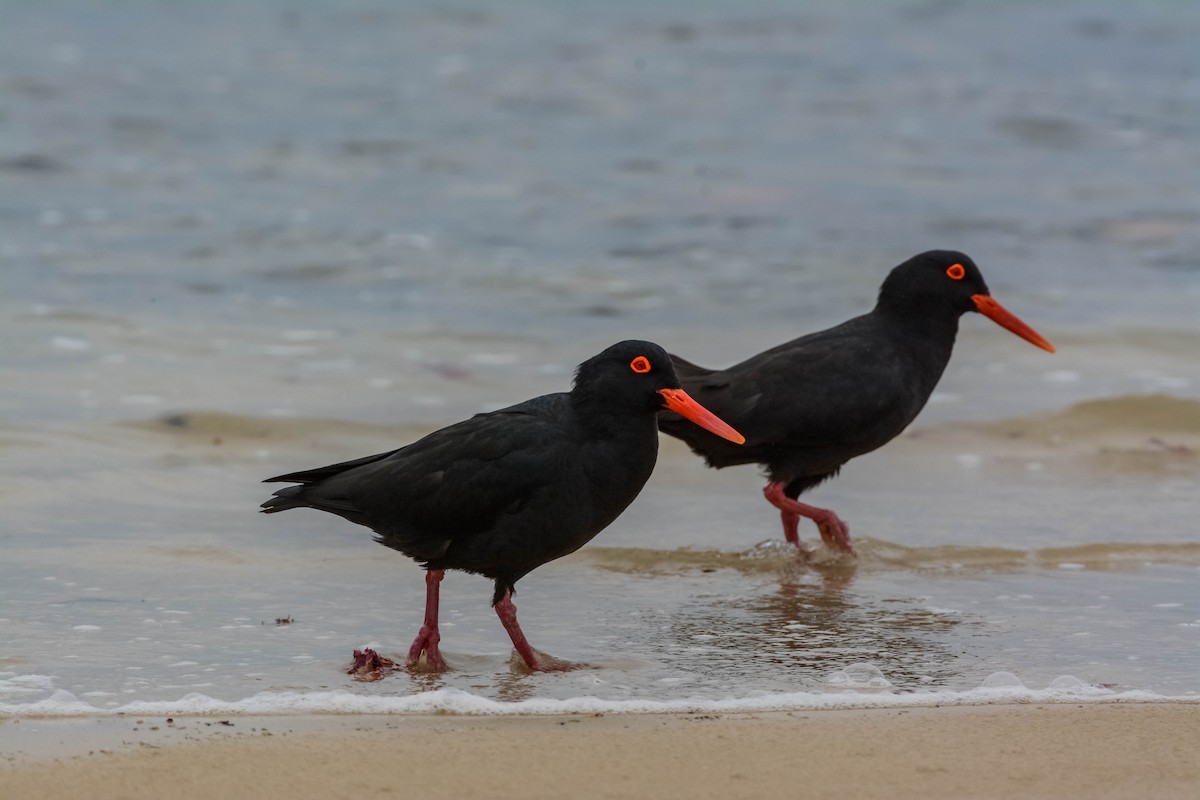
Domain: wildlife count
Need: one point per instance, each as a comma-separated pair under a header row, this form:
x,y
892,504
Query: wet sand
x,y
1095,751
207,282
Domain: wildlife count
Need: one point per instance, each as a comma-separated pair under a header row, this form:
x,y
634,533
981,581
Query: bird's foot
x,y
834,532
370,666
524,654
426,644
542,662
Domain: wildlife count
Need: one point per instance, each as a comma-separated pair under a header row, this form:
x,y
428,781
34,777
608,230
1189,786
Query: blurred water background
x,y
239,239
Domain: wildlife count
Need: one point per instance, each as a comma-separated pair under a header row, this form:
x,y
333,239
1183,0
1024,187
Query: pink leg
x,y
834,532
791,526
507,612
427,640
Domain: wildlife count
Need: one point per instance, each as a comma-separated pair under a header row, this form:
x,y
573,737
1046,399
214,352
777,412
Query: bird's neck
x,y
927,334
629,439
609,416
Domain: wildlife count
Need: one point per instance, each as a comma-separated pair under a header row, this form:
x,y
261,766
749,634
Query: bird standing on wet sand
x,y
810,405
502,493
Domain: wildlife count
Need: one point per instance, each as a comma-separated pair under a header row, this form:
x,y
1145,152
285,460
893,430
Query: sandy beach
x,y
1077,751
245,239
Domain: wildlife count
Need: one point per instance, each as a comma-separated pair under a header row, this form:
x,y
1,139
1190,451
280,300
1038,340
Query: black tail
x,y
321,473
310,494
285,498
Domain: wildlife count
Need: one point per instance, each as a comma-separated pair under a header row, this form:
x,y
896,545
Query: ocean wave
x,y
1136,433
994,691
207,426
877,554
1157,425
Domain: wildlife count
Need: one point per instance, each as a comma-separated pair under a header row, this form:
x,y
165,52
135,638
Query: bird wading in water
x,y
808,406
504,492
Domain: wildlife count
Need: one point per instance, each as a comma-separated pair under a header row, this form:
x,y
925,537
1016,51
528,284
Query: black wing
x,y
451,484
839,388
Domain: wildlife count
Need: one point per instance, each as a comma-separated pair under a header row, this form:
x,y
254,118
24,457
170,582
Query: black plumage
x,y
808,406
504,492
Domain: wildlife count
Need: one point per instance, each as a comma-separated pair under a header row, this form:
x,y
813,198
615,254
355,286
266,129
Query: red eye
x,y
640,365
956,271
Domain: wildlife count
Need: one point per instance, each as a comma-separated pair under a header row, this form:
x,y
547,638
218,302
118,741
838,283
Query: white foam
x,y
1065,689
1002,680
12,684
862,675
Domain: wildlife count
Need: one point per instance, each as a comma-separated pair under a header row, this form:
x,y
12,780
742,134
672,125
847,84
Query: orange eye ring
x,y
957,272
640,365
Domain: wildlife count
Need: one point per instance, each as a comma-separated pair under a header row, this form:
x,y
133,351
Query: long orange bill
x,y
1006,319
683,405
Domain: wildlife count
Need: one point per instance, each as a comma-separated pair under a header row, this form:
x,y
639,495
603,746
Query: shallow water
x,y
247,240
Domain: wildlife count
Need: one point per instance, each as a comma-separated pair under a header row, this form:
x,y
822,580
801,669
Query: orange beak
x,y
683,405
1008,320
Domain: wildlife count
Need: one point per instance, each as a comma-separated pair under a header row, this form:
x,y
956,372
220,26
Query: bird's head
x,y
639,375
948,282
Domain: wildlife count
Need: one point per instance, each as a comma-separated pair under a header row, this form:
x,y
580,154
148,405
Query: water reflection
x,y
811,623
425,681
513,686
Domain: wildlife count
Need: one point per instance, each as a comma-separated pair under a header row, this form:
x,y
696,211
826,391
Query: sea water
x,y
243,240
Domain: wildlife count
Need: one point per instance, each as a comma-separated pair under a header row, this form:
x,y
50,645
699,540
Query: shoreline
x,y
1113,750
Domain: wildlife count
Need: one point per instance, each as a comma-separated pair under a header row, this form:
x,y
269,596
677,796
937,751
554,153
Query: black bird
x,y
810,405
504,492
